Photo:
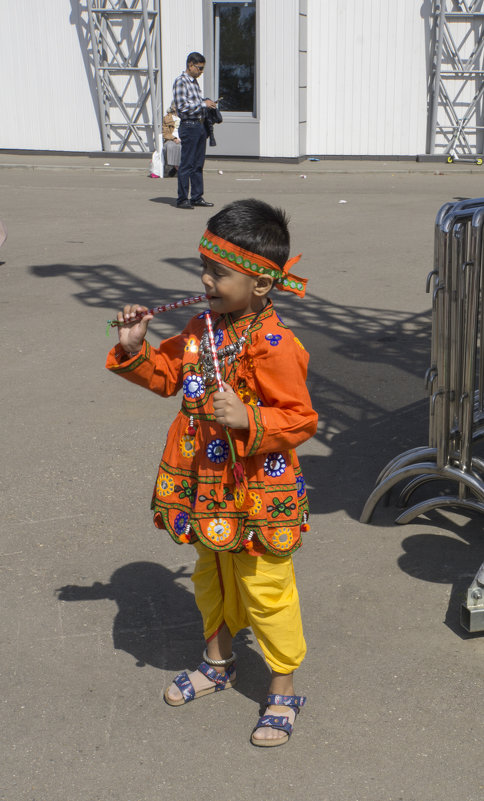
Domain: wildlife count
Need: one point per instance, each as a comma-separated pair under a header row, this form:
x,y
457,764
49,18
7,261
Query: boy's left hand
x,y
228,408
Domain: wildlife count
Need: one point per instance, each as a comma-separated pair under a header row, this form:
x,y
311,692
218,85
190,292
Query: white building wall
x,y
366,77
278,77
366,74
181,34
45,97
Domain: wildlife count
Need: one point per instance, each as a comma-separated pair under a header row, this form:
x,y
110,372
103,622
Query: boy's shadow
x,y
159,624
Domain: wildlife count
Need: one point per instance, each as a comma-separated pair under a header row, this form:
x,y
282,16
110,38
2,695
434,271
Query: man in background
x,y
190,107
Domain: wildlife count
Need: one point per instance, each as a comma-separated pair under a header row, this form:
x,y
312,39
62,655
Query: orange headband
x,y
252,264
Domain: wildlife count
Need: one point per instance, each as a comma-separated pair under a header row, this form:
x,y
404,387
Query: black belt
x,y
193,119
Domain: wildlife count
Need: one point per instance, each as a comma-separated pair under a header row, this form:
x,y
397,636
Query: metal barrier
x,y
455,382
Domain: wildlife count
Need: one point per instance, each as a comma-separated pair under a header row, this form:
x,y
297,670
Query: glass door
x,y
235,56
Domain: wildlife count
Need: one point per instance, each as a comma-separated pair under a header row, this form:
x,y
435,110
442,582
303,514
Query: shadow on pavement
x,y
167,201
366,379
149,598
364,363
439,558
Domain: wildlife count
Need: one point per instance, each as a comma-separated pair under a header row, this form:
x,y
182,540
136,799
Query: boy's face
x,y
229,291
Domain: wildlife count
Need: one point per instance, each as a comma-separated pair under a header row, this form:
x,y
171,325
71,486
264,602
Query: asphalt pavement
x,y
97,605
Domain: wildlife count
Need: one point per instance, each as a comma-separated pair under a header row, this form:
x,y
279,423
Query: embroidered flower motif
x,y
239,497
301,486
191,346
283,538
187,446
187,491
218,450
282,507
213,503
256,503
298,342
165,485
218,530
193,386
180,523
273,339
274,465
248,396
218,336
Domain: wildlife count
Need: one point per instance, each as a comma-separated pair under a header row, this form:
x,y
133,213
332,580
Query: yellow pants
x,y
255,591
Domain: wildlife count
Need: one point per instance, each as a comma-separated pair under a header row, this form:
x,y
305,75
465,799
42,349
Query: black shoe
x,y
185,204
172,172
201,202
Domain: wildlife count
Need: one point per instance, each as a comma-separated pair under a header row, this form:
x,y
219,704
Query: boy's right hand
x,y
133,331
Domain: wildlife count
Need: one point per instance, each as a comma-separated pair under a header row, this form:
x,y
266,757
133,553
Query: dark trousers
x,y
190,172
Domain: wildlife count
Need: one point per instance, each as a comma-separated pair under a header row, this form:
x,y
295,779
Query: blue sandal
x,y
221,681
294,702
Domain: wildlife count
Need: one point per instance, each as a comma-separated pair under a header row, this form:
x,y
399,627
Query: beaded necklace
x,y
229,353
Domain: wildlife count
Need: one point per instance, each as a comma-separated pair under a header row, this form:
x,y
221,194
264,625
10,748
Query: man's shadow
x,y
167,201
159,624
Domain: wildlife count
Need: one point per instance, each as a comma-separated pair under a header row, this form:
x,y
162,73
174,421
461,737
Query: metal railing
x,y
455,383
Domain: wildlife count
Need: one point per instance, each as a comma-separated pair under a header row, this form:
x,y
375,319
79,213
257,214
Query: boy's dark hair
x,y
256,226
195,58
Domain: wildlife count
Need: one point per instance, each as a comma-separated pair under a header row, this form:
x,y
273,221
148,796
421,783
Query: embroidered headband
x,y
251,263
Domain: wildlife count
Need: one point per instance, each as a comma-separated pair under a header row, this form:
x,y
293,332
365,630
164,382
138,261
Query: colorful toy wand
x,y
158,309
213,351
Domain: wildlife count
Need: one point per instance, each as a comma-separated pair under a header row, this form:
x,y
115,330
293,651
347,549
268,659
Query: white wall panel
x,y
182,33
45,97
278,77
49,101
366,74
366,77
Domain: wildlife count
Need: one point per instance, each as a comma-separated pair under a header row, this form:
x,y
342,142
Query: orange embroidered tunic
x,y
195,497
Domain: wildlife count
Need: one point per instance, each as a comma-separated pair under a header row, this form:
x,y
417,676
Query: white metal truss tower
x,y
456,128
126,51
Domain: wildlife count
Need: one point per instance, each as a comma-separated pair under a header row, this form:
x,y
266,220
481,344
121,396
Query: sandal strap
x,y
185,686
275,722
294,702
220,679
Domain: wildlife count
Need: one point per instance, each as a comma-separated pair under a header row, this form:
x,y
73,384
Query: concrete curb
x,y
137,165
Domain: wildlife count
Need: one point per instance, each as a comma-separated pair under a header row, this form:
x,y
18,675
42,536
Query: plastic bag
x,y
156,166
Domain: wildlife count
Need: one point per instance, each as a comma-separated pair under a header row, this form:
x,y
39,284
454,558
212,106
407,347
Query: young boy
x,y
229,480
